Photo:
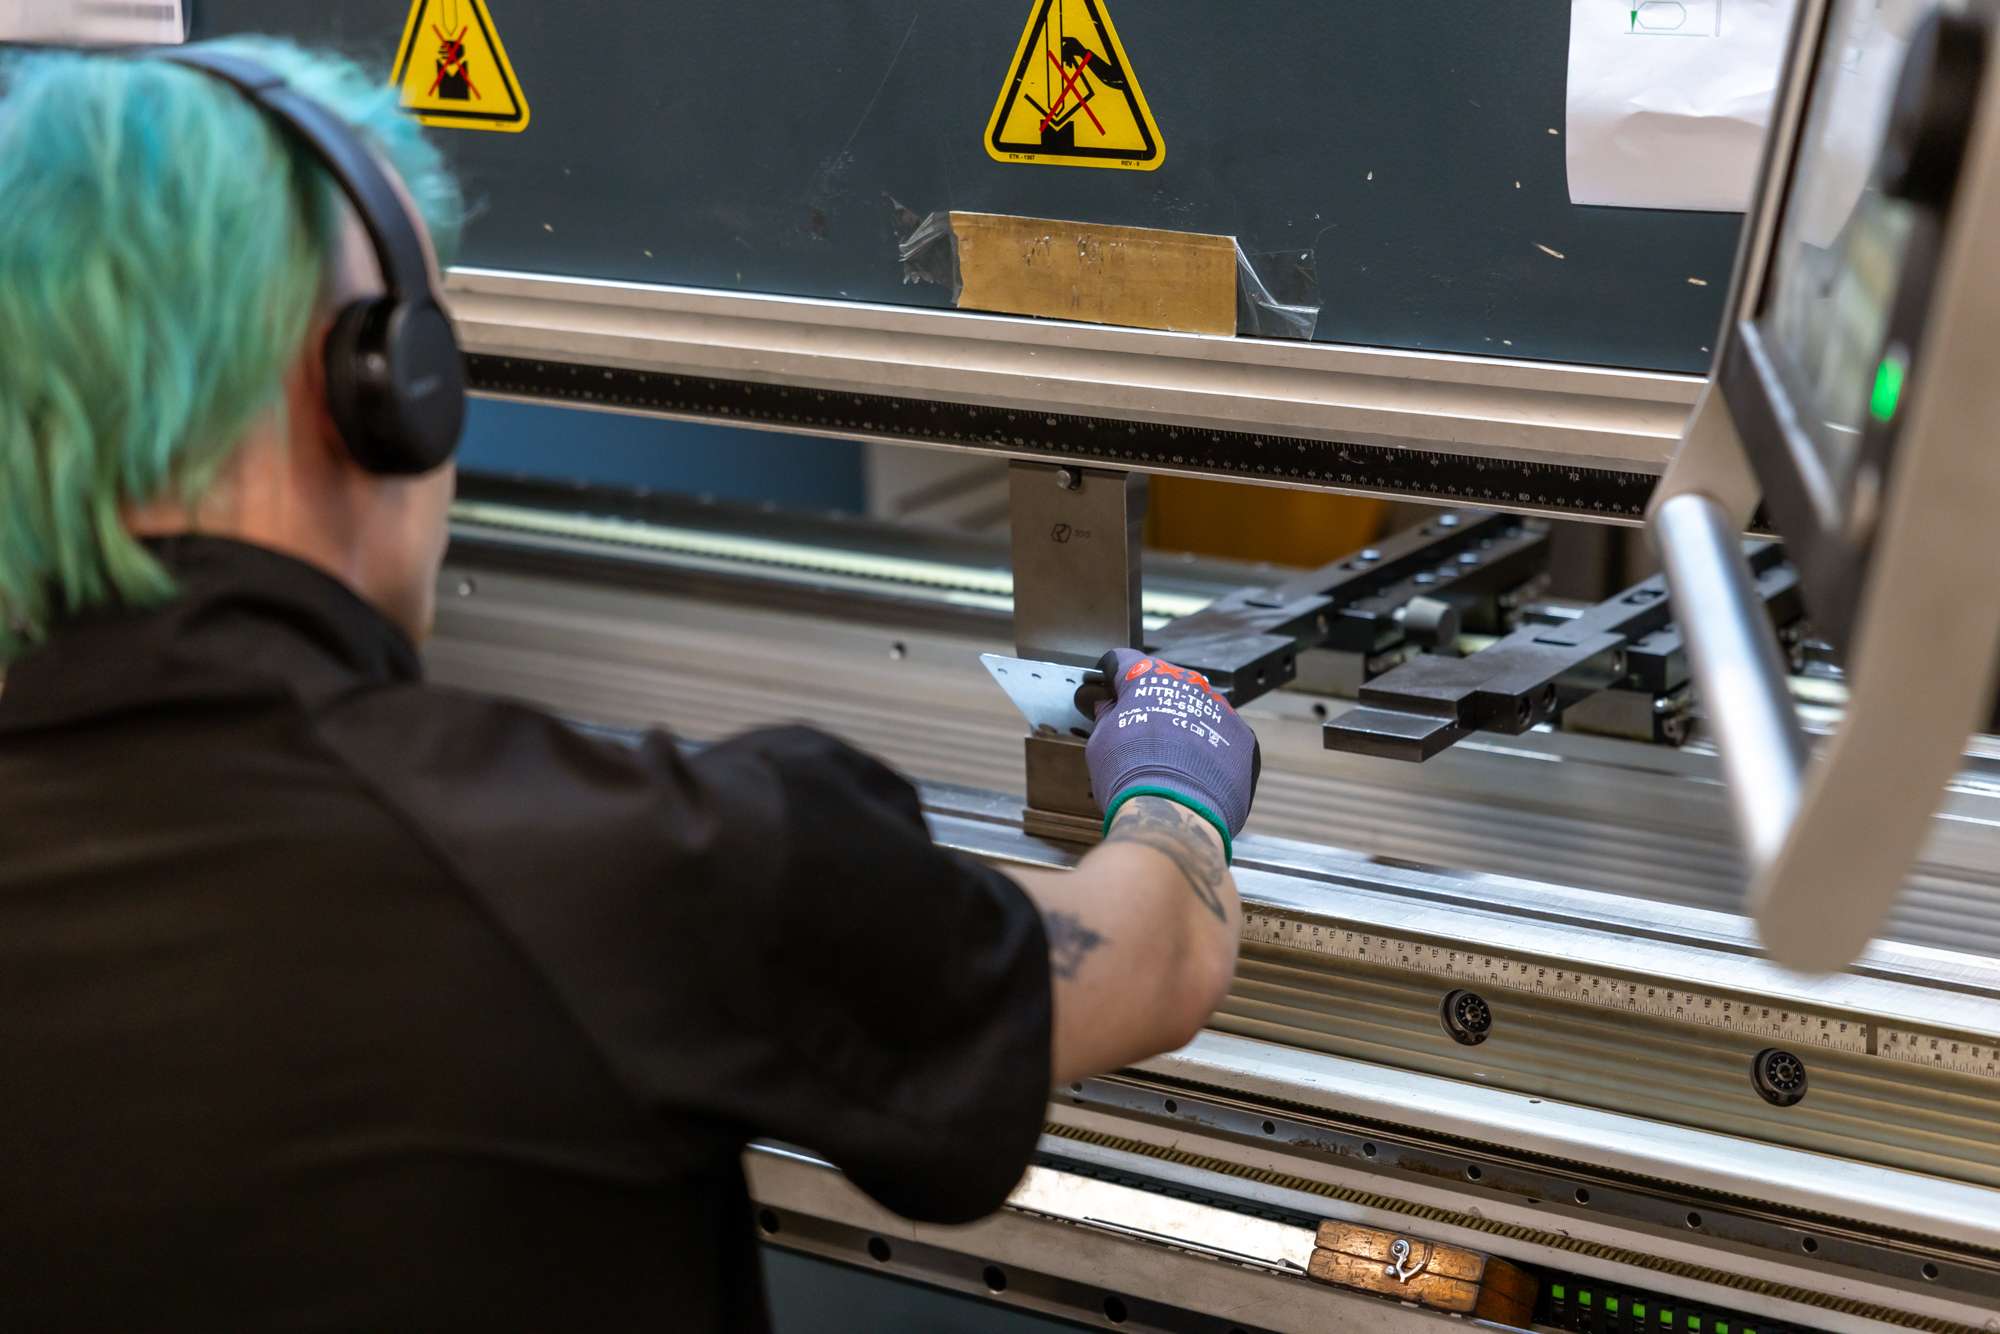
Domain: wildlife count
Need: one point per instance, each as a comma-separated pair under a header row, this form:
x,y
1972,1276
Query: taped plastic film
x,y
1276,293
930,255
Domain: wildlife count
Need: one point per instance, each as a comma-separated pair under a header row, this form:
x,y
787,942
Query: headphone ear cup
x,y
395,385
346,343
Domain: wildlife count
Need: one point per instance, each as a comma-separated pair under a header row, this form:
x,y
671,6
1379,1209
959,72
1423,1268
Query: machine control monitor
x,y
1856,398
1818,373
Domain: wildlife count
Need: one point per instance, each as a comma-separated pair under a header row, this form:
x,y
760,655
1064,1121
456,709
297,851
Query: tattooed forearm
x,y
1187,840
1069,941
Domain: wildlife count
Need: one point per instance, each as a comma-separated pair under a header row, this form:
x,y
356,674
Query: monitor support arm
x,y
1746,699
1697,519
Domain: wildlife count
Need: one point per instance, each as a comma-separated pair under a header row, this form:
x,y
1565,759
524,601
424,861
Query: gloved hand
x,y
1165,732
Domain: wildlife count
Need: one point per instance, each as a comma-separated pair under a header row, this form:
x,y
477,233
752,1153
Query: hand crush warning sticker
x,y
1071,97
452,71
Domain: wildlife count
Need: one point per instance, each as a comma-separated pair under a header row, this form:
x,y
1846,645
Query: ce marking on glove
x,y
1215,738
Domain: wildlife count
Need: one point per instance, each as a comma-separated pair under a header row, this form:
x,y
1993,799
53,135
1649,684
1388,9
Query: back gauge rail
x,y
1752,1012
1498,483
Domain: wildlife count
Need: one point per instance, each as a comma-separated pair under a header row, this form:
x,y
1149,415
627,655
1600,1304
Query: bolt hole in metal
x,y
1114,1310
1778,1076
899,651
768,1222
1466,1016
1809,1245
1368,1150
996,1278
1694,1220
1270,1128
1930,1271
879,1249
1472,1172
1172,1106
1582,1195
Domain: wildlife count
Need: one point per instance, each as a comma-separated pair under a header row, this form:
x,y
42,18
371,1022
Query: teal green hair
x,y
163,255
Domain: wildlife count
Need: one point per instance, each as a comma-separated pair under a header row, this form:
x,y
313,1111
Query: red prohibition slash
x,y
451,56
1069,86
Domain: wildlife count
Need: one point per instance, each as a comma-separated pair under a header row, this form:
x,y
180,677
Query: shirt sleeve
x,y
762,934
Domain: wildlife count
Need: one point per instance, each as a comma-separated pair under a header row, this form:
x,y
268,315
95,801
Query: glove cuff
x,y
1194,804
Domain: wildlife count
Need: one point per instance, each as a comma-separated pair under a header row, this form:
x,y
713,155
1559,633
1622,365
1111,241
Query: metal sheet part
x,y
1044,692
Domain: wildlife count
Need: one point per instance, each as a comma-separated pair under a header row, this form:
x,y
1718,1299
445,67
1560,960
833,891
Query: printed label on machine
x,y
453,72
1071,97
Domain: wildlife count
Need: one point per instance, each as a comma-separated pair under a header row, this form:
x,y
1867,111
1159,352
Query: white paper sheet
x,y
93,22
1668,100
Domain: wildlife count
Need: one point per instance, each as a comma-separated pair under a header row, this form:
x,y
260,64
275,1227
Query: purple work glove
x,y
1166,732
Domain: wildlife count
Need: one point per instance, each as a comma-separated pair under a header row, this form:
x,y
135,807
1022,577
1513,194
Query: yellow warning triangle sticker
x,y
1071,97
452,70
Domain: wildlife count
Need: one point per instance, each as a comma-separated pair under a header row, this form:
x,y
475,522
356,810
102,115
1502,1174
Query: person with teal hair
x,y
163,256
332,999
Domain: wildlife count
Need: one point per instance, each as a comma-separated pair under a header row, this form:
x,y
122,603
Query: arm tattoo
x,y
1185,838
1069,941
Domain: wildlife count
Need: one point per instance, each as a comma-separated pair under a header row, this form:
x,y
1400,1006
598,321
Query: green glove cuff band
x,y
1179,799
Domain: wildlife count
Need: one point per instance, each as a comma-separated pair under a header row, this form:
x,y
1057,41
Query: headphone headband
x,y
378,202
395,382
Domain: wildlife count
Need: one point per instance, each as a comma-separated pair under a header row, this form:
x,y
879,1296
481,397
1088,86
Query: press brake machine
x,y
1509,1040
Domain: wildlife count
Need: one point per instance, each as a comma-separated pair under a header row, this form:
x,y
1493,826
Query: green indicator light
x,y
1560,1294
1638,1310
1611,1305
1887,394
1721,1329
1694,1322
1666,1317
1583,1297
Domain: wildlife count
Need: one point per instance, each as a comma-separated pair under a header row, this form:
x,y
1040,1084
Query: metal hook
x,y
1400,1267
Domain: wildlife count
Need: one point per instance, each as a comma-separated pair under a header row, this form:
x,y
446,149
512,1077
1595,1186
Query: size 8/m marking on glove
x,y
1655,1000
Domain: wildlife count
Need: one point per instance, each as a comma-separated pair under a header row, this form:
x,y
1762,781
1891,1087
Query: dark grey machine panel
x,y
1414,148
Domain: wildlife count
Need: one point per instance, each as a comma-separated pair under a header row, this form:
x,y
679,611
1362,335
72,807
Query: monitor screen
x,y
1842,244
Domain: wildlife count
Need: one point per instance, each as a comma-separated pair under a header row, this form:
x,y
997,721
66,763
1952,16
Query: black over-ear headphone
x,y
395,383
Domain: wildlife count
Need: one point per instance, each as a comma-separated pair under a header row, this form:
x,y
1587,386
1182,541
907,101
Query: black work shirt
x,y
334,1000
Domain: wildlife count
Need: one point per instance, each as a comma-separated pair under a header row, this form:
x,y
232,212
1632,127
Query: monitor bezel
x,y
1829,525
